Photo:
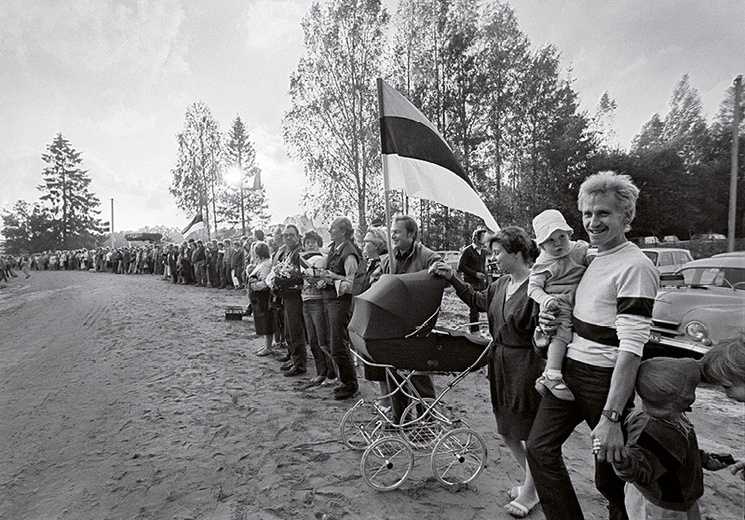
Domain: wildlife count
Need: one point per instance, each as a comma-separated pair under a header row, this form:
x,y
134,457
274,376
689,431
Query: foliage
x,y
512,121
244,203
683,168
73,208
27,228
332,125
197,177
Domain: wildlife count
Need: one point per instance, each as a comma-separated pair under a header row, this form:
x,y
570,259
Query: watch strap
x,y
612,415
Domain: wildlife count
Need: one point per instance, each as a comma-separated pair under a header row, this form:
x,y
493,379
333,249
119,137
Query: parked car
x,y
670,239
709,236
704,304
736,254
649,241
667,259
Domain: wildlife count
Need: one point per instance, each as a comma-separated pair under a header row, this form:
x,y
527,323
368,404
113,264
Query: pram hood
x,y
397,306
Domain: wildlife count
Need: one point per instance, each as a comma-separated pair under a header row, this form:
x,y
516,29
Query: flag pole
x,y
391,256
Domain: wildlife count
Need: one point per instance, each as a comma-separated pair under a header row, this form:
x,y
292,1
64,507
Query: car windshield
x,y
720,277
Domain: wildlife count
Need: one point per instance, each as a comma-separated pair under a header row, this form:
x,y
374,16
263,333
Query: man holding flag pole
x,y
417,160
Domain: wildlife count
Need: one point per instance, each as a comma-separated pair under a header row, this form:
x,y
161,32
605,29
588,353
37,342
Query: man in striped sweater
x,y
611,319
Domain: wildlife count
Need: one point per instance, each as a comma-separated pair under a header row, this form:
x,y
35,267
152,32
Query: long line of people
x,y
300,294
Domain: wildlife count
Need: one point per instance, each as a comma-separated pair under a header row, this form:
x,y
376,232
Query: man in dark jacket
x,y
409,256
473,266
288,281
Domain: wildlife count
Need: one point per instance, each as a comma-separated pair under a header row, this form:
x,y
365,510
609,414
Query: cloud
x,y
119,39
271,24
21,169
120,121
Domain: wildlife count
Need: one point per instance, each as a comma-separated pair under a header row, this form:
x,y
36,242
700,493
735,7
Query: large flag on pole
x,y
197,223
417,159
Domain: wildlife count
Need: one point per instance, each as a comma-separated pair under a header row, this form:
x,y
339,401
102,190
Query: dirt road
x,y
126,397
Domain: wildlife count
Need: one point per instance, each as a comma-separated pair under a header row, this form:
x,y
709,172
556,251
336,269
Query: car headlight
x,y
697,331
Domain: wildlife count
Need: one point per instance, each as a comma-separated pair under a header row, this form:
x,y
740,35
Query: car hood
x,y
673,305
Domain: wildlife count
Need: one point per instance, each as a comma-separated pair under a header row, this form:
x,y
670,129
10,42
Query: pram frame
x,y
414,395
452,440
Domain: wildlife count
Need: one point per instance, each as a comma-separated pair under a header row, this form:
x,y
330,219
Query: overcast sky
x,y
115,78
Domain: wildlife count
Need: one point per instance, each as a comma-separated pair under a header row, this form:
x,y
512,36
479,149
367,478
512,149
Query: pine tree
x,y
73,208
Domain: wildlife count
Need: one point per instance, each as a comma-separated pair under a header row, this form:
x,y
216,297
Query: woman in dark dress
x,y
514,366
259,296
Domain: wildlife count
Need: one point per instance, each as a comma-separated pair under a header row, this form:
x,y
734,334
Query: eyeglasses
x,y
288,235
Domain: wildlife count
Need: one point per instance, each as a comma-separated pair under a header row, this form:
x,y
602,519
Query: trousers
x,y
554,423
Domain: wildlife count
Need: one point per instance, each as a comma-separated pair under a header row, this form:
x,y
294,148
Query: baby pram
x,y
393,328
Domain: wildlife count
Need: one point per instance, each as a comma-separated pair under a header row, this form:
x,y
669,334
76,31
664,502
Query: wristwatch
x,y
612,415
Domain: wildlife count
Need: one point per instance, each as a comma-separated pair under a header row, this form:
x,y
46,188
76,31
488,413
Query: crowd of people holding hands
x,y
568,333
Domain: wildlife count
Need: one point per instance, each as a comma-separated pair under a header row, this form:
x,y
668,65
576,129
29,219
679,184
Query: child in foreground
x,y
662,463
553,281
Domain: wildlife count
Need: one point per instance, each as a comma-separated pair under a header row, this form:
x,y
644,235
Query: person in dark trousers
x,y
612,316
337,280
408,256
473,266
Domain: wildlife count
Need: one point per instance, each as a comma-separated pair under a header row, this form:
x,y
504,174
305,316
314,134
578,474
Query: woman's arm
x,y
477,299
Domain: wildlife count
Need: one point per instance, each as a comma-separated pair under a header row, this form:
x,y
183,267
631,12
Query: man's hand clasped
x,y
607,441
441,269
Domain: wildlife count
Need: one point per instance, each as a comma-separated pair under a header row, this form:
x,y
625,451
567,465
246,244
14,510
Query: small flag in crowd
x,y
197,222
417,159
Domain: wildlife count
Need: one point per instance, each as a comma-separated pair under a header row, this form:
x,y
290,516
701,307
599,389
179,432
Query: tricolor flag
x,y
417,159
197,222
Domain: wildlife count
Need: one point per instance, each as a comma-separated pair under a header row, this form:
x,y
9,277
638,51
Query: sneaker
x,y
286,366
346,392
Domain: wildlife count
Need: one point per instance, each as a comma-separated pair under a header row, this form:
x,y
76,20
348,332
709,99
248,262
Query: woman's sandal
x,y
517,509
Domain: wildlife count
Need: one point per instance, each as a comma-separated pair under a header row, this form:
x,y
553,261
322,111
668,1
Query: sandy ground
x,y
126,397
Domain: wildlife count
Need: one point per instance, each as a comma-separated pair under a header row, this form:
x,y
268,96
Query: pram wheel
x,y
459,456
427,423
387,463
361,426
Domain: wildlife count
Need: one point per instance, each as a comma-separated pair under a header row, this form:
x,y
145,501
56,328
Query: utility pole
x,y
112,223
243,207
733,173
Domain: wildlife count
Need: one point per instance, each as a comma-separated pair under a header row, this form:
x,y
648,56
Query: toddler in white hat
x,y
553,281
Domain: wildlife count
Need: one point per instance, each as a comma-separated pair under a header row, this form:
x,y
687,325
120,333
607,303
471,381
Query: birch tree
x,y
332,127
197,177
